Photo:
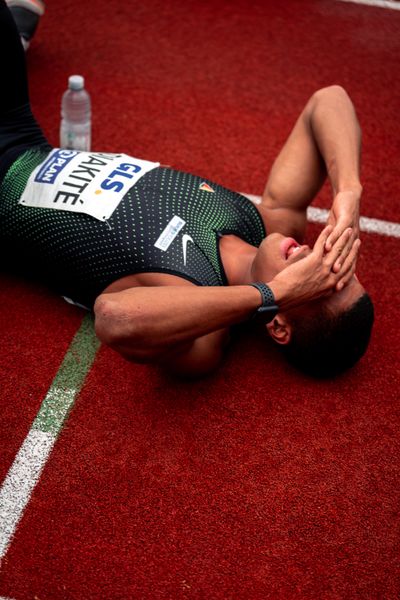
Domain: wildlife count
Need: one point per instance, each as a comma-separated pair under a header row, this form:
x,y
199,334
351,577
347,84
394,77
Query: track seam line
x,y
24,473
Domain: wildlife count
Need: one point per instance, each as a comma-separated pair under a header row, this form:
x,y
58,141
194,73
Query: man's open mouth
x,y
289,246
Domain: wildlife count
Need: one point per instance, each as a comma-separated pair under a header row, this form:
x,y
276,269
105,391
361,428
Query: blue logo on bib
x,y
124,170
54,165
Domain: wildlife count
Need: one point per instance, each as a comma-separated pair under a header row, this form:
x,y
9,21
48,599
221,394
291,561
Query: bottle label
x,y
84,182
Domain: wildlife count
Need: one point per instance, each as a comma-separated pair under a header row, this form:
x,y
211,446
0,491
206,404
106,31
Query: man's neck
x,y
237,258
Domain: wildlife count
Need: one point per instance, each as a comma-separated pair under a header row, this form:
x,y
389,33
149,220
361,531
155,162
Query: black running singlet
x,y
80,256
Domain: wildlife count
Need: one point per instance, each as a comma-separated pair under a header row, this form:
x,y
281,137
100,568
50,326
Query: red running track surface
x,y
257,482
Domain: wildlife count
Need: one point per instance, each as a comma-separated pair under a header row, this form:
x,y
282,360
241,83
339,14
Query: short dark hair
x,y
324,344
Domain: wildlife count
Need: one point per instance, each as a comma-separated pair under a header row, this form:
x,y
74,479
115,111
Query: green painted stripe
x,y
31,458
69,379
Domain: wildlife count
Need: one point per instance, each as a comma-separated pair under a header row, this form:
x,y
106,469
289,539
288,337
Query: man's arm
x,y
146,323
184,327
326,139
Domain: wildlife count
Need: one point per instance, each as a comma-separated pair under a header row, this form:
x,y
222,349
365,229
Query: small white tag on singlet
x,y
84,182
169,234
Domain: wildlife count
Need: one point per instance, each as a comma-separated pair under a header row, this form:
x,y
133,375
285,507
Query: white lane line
x,y
379,3
21,479
320,215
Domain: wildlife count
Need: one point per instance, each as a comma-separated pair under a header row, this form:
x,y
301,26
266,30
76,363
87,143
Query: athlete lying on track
x,y
169,261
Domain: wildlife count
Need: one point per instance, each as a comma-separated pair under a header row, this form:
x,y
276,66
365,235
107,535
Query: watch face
x,y
266,313
268,309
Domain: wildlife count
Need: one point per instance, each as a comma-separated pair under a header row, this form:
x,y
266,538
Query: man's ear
x,y
280,329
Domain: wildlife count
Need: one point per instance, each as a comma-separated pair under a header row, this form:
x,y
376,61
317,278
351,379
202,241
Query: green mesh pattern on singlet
x,y
19,172
79,255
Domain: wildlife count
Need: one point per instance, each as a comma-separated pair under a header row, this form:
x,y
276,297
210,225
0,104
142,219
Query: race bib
x,y
84,182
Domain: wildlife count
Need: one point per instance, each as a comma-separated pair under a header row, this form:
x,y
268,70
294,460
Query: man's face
x,y
277,252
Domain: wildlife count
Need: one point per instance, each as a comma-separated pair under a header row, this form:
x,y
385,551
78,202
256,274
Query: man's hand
x,y
314,276
345,212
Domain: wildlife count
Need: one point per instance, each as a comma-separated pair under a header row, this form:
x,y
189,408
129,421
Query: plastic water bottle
x,y
75,129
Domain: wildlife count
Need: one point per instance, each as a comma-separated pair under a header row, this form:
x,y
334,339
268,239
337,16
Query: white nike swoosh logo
x,y
185,239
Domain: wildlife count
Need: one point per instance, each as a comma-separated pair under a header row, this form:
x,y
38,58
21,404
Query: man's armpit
x,y
287,221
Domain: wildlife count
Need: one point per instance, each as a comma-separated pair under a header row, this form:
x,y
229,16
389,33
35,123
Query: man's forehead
x,y
347,296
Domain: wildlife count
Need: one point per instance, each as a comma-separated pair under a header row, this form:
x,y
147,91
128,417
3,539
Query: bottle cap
x,y
76,82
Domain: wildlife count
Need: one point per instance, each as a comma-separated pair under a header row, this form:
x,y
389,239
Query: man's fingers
x,y
337,231
331,240
345,280
319,246
341,248
349,266
344,251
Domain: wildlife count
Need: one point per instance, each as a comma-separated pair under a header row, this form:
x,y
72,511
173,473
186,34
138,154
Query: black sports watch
x,y
268,309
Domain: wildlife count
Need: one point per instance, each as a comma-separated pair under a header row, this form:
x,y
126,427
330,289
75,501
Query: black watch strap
x,y
268,307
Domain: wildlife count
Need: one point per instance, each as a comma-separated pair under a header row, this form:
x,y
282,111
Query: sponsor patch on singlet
x,y
86,182
169,234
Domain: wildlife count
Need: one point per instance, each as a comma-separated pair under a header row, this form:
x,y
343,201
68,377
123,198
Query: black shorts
x,y
18,127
